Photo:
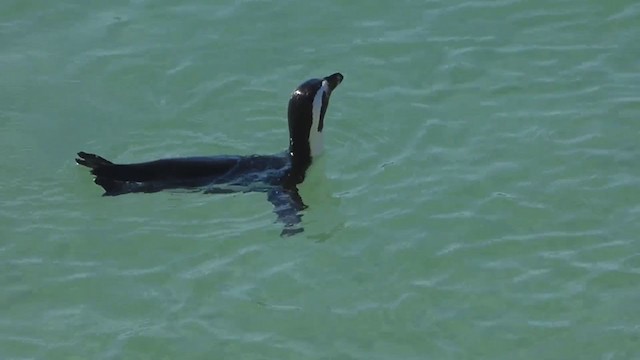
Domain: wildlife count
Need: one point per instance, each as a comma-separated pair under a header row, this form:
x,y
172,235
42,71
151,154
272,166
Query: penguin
x,y
276,175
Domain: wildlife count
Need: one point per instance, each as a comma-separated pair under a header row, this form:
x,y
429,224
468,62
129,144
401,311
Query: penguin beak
x,y
334,80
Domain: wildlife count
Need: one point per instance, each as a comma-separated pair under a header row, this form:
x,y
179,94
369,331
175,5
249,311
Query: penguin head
x,y
307,108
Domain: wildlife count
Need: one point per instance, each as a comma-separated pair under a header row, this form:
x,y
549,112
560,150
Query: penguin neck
x,y
301,159
305,116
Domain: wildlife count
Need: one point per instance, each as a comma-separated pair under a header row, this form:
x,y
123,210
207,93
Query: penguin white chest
x,y
320,102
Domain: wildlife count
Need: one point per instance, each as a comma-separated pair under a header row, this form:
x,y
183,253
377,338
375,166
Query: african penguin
x,y
276,175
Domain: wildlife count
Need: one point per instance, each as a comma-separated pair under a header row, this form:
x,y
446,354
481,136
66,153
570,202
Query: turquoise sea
x,y
479,195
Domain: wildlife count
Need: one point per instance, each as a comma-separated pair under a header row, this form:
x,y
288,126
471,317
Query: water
x,y
478,197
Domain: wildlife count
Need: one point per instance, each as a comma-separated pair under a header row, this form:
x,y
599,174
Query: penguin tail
x,y
92,161
99,167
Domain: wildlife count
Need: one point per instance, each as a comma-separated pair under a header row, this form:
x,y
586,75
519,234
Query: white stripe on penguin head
x,y
316,142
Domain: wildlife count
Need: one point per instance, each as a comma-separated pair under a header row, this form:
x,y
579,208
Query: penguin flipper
x,y
287,205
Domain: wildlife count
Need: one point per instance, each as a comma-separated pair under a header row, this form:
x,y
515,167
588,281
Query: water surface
x,y
478,197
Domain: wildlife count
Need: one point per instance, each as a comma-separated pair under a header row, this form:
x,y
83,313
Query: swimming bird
x,y
276,175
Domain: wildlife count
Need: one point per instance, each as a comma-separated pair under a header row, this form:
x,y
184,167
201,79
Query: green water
x,y
478,197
